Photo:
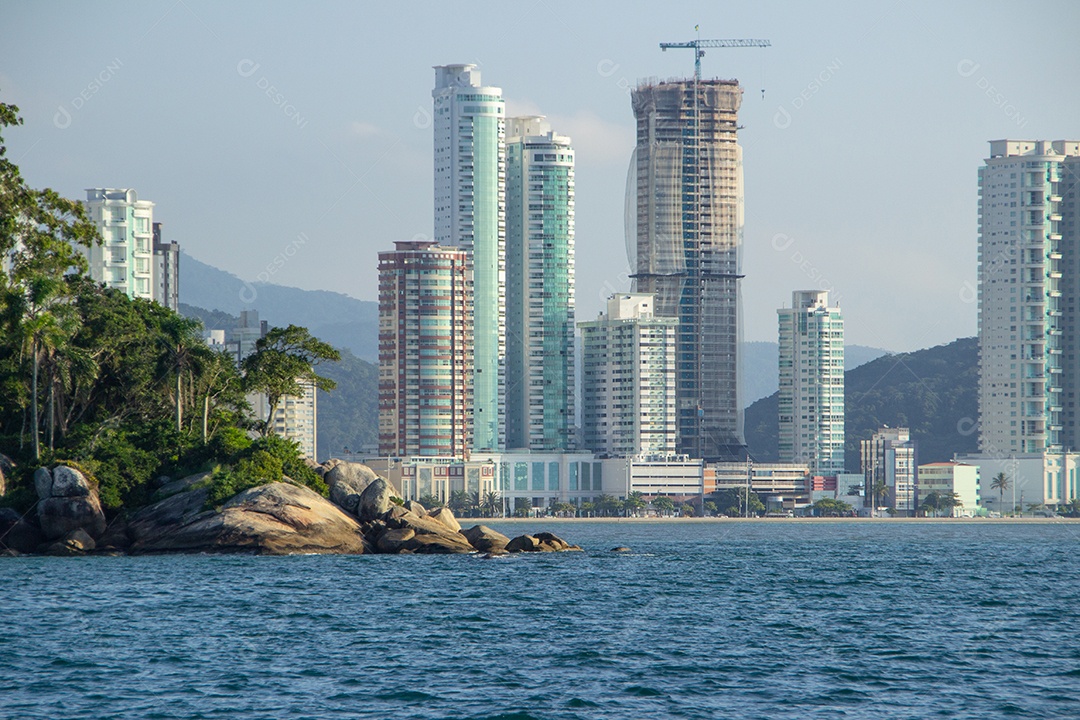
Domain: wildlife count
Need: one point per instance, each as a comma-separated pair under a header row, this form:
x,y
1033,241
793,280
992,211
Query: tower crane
x,y
698,44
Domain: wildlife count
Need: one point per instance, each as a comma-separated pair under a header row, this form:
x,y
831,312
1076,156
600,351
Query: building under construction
x,y
684,241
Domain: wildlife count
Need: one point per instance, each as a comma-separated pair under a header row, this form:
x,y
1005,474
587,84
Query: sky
x,y
291,143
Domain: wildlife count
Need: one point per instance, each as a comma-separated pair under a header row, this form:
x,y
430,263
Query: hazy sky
x,y
267,129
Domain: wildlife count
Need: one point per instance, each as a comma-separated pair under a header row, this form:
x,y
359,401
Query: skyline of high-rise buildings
x,y
540,382
811,383
684,241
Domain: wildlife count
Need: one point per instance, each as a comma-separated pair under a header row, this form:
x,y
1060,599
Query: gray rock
x,y
273,519
429,534
394,540
183,484
79,541
375,499
58,516
18,535
69,482
347,482
446,517
485,539
43,481
524,543
550,541
115,537
415,508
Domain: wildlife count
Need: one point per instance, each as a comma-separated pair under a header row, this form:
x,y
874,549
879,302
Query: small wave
x,y
408,695
642,691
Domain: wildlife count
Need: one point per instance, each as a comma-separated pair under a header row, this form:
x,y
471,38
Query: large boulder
x,y
17,534
347,482
376,499
67,502
415,508
273,519
407,532
446,517
524,543
485,539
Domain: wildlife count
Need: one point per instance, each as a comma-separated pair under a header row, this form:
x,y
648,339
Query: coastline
x,y
804,520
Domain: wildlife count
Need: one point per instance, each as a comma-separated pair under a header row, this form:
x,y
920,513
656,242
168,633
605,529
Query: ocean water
x,y
702,620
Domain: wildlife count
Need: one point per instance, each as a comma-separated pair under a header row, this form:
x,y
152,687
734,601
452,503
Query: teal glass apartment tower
x,y
811,402
539,287
470,187
684,241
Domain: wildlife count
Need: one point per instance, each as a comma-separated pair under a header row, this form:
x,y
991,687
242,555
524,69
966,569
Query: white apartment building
x,y
125,260
952,477
811,402
1029,263
628,379
470,213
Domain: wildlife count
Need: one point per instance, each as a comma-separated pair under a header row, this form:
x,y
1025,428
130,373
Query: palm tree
x,y
1001,484
878,493
492,503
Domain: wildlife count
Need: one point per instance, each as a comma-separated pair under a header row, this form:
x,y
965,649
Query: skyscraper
x,y
811,403
1029,287
125,260
628,383
470,187
539,287
684,238
425,351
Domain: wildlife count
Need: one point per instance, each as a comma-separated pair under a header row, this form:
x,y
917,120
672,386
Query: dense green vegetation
x,y
124,389
349,416
934,392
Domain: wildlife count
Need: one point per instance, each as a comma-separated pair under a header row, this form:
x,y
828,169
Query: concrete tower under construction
x,y
684,241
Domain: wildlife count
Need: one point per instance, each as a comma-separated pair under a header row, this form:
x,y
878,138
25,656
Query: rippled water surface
x,y
701,620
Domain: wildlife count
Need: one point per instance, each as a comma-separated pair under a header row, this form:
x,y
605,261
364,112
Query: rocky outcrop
x,y
541,542
67,501
415,508
375,500
485,539
400,530
76,542
17,534
446,517
347,482
274,519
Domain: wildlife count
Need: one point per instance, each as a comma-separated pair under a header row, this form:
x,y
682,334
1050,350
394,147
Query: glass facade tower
x,y
539,287
470,194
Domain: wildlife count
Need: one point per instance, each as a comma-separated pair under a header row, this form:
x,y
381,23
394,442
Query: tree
x,y
459,503
949,501
687,510
523,507
663,505
565,509
879,492
284,358
430,502
587,508
735,502
183,348
493,504
710,507
931,503
39,235
1001,484
829,507
635,502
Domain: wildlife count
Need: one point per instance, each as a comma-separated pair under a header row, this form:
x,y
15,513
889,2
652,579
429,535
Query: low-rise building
x,y
946,478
